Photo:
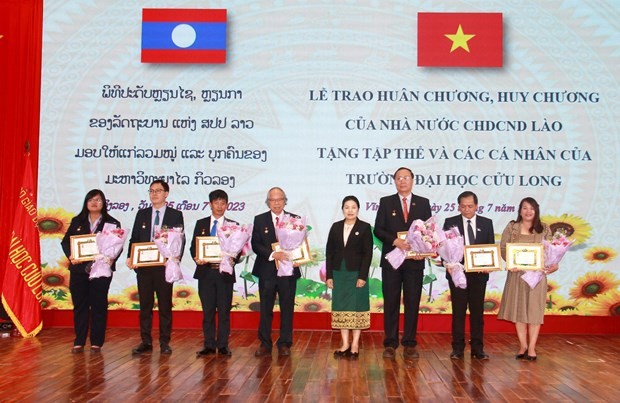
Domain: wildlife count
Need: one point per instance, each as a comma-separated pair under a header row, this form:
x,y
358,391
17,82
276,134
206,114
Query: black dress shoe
x,y
165,349
206,351
353,356
456,355
284,351
480,356
389,353
262,351
224,351
521,356
340,354
530,357
411,353
142,348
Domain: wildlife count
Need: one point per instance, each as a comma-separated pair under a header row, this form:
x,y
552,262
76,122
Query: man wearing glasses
x,y
395,214
152,279
269,283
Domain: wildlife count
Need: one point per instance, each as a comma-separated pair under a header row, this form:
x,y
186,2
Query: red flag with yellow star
x,y
460,39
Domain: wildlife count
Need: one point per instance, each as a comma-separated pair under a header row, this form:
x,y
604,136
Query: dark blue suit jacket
x,y
484,233
203,228
263,235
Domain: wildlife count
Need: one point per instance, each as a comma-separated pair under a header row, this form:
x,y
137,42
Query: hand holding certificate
x,y
110,244
423,238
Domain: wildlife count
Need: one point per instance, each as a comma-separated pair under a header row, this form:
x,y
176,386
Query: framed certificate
x,y
145,254
208,249
483,257
525,256
300,255
84,247
410,254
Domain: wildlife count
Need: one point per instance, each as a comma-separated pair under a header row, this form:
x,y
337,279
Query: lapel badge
x,y
356,233
266,230
393,213
143,225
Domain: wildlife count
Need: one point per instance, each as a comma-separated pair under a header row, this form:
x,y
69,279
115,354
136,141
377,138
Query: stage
x,y
568,368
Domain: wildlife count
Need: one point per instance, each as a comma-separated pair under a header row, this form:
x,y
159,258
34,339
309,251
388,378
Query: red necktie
x,y
405,209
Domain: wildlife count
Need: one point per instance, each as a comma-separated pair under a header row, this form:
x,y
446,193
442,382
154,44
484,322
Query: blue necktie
x,y
214,228
155,223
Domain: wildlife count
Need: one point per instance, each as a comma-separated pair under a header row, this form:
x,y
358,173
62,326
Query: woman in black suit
x,y
89,297
348,256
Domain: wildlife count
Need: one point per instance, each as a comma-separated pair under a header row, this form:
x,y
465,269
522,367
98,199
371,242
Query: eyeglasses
x,y
156,191
276,200
95,201
403,178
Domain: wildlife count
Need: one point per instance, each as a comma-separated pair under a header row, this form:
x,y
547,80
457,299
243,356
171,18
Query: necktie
x,y
405,209
214,228
155,223
470,233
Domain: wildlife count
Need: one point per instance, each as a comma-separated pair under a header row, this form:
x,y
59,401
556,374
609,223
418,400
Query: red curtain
x,y
21,27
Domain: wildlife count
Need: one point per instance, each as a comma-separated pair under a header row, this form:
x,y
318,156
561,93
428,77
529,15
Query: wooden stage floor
x,y
569,368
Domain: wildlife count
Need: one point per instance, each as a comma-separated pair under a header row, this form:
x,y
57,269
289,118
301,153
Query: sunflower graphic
x,y
592,284
251,303
131,293
184,292
121,306
444,298
599,254
114,300
186,305
552,287
55,278
48,302
492,300
559,305
607,304
442,306
53,222
572,226
426,307
308,304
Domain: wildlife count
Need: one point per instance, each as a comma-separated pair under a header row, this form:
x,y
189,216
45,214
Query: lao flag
x,y
460,39
171,35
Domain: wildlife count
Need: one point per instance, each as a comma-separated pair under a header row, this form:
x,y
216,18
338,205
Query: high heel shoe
x,y
353,356
522,356
339,354
530,357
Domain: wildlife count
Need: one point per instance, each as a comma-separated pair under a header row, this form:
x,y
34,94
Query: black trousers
x,y
409,280
90,307
216,292
152,281
471,297
285,288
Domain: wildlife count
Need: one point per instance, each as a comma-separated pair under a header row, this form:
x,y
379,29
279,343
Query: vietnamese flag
x,y
21,291
173,35
460,39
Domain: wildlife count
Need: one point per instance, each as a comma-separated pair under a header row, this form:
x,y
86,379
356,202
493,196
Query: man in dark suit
x,y
152,280
214,288
476,230
269,283
395,214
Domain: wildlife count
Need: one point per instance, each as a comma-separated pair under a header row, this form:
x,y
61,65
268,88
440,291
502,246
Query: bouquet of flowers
x,y
451,250
554,252
423,238
291,233
232,238
110,244
169,241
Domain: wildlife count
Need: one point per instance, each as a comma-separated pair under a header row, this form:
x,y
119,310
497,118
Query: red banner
x,y
21,292
460,39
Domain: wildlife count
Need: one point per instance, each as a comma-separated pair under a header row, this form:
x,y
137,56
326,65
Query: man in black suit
x,y
476,230
152,280
395,214
214,288
269,283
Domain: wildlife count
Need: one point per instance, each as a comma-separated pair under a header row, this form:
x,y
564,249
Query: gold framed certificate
x,y
410,254
525,256
84,247
145,254
300,255
208,249
483,257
